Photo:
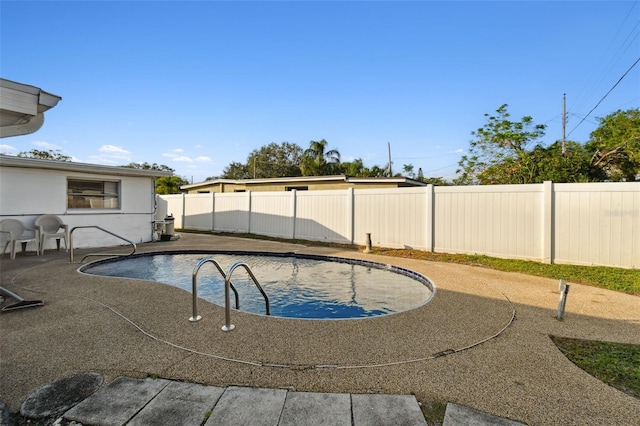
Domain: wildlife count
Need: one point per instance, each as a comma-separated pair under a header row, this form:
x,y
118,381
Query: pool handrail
x,y
98,254
227,284
194,286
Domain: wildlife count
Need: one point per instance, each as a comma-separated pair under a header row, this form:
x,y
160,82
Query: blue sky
x,y
197,85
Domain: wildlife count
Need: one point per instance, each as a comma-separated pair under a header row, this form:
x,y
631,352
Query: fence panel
x,y
395,219
171,205
231,212
323,216
589,224
198,212
496,220
272,213
597,224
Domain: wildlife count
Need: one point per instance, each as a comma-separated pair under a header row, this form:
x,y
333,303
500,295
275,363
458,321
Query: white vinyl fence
x,y
585,224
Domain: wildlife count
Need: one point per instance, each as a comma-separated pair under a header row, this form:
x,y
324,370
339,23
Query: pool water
x,y
313,287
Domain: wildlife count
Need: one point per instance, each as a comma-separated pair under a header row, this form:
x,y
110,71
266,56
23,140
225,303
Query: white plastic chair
x,y
13,231
51,226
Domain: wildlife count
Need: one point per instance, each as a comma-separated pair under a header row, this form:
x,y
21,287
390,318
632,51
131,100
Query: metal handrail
x,y
227,284
194,286
97,254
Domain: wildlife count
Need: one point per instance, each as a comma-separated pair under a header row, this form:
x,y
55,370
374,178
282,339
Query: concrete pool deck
x,y
462,347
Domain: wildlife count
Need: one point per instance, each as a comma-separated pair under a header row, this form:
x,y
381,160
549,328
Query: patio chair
x,y
51,226
13,231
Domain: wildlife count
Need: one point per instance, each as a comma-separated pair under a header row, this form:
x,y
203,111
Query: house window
x,y
93,194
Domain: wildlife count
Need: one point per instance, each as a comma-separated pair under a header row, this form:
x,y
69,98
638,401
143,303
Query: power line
x,y
615,58
606,94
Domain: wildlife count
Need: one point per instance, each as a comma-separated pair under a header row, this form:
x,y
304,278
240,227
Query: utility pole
x,y
389,147
564,124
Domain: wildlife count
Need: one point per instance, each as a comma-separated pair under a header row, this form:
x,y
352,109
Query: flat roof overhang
x,y
22,108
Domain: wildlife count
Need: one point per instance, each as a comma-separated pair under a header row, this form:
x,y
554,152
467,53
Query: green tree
x,y
500,154
45,155
275,160
356,168
438,181
615,145
164,184
169,184
270,161
572,166
353,168
379,171
235,170
408,171
147,166
318,161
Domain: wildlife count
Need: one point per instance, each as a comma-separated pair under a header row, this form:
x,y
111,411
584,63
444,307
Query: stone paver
x,y
458,415
386,410
179,404
117,403
248,406
316,409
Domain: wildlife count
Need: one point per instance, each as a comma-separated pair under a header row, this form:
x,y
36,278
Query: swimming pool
x,y
298,286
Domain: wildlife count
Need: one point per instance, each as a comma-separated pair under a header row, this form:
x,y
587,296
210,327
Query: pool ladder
x,y
228,286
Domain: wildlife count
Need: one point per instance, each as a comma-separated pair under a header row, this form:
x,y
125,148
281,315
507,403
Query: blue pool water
x,y
298,286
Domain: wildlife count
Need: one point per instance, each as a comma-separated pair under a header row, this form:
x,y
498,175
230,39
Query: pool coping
x,y
421,278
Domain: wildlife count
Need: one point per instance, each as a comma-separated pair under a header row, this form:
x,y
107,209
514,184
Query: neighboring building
x,y
119,199
301,183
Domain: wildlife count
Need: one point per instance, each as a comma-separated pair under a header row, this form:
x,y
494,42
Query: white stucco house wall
x,y
119,199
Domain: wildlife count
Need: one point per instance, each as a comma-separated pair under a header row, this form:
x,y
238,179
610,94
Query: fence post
x,y
429,218
548,237
350,214
183,213
213,211
294,208
248,212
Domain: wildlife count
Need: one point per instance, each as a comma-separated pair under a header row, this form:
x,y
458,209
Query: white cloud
x,y
113,150
203,159
458,151
46,145
111,155
175,156
182,159
7,148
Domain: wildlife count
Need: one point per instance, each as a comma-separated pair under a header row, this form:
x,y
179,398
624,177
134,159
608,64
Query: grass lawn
x,y
616,364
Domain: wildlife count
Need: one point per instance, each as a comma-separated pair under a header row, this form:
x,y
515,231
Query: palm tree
x,y
316,161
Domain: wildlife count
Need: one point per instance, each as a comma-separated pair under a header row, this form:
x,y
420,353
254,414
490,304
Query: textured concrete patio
x,y
120,327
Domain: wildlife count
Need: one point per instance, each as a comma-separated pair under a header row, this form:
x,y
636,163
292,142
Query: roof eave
x,y
69,166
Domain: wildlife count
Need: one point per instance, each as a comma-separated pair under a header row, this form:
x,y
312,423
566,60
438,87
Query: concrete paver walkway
x,y
153,402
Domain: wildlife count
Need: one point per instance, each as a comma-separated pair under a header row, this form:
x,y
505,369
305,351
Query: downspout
x,y
155,208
